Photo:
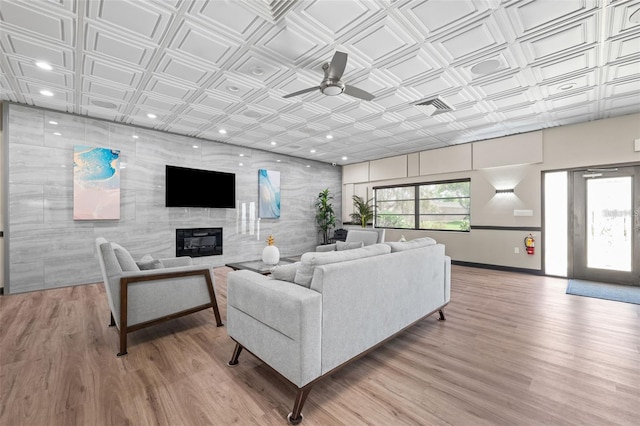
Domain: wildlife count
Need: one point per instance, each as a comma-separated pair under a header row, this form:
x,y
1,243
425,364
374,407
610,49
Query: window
x,y
431,206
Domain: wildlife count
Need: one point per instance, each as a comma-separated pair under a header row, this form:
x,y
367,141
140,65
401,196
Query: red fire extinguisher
x,y
530,244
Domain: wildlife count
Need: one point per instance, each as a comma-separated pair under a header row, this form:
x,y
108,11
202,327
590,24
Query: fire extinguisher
x,y
530,244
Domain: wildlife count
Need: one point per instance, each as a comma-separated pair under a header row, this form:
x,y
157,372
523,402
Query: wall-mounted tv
x,y
185,187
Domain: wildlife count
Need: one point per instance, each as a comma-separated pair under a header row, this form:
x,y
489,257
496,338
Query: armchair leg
x,y
123,342
295,416
441,317
235,356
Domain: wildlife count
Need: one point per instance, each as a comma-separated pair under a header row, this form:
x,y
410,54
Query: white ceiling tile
x,y
203,45
625,48
215,99
382,40
139,17
576,35
351,13
230,15
434,16
533,15
156,104
623,70
290,43
184,69
623,89
503,85
581,62
472,40
114,46
37,50
29,17
620,13
101,68
170,88
30,71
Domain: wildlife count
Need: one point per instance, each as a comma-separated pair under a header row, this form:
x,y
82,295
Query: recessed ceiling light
x,y
46,93
329,136
57,133
486,67
257,71
241,155
152,116
55,123
233,88
308,165
222,131
195,147
44,65
277,161
313,151
635,17
240,164
567,86
135,136
274,143
252,114
63,165
345,158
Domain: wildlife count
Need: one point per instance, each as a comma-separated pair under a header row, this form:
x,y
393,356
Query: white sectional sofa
x,y
311,318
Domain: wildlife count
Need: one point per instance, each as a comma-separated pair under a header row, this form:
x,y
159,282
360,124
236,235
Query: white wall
x,y
498,164
48,249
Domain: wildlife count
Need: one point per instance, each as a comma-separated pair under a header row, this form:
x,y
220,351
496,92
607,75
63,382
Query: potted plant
x,y
325,216
362,210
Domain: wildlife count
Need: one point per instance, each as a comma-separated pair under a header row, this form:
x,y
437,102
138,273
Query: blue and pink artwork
x,y
269,194
96,183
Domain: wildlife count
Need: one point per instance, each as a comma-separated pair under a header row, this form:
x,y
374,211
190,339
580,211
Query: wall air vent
x,y
434,106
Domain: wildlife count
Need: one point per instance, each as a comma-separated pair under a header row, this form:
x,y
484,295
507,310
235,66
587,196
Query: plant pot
x,y
270,255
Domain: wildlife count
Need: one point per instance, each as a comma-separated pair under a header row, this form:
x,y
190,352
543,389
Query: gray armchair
x,y
367,236
173,287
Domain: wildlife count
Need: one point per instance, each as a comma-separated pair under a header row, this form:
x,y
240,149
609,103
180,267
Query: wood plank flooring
x,y
515,350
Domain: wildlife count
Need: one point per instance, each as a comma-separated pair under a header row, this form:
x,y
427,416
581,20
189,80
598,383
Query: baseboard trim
x,y
497,267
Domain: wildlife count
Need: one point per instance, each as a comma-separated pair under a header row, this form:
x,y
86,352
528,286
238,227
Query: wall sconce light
x,y
504,191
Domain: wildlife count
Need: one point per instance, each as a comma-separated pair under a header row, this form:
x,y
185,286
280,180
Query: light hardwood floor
x,y
515,350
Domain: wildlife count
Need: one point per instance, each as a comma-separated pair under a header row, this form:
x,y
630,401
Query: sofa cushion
x,y
411,244
147,262
309,261
343,245
124,258
285,272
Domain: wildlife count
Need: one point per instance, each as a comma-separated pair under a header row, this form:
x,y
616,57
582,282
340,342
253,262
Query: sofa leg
x,y
441,317
112,323
235,356
295,416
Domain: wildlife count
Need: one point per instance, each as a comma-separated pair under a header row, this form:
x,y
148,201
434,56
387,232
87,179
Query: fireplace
x,y
196,242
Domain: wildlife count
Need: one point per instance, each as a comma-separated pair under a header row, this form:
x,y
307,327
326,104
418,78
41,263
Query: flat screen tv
x,y
185,187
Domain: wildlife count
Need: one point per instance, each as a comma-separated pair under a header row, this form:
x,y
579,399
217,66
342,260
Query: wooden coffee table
x,y
259,266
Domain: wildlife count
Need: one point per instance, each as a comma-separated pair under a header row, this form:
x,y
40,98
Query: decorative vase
x,y
270,255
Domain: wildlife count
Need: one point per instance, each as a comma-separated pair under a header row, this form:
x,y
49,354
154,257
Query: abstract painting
x,y
269,194
96,183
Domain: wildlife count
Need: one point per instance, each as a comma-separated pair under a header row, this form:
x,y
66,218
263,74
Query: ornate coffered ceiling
x,y
201,66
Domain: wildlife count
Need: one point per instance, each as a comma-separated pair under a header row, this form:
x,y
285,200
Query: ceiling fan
x,y
331,85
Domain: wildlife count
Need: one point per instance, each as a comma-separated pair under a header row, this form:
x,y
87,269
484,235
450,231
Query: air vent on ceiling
x,y
434,106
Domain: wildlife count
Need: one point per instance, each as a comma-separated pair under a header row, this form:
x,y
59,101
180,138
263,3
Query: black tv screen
x,y
185,187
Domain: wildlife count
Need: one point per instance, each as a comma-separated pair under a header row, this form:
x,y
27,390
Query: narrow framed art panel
x,y
268,194
96,183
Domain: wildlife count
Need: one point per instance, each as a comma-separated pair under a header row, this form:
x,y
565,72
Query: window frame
x,y
416,199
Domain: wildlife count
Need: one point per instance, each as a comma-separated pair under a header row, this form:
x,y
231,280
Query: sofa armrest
x,y
278,321
326,247
172,262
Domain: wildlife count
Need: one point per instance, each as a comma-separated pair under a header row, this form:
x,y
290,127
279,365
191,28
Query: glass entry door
x,y
606,231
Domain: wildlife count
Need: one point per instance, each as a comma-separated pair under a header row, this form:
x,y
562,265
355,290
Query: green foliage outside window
x,y
431,206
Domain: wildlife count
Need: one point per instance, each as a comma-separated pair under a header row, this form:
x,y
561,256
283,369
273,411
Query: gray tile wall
x,y
48,249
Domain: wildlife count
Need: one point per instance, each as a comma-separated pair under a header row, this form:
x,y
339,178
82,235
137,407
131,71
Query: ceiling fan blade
x,y
358,93
337,66
302,92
